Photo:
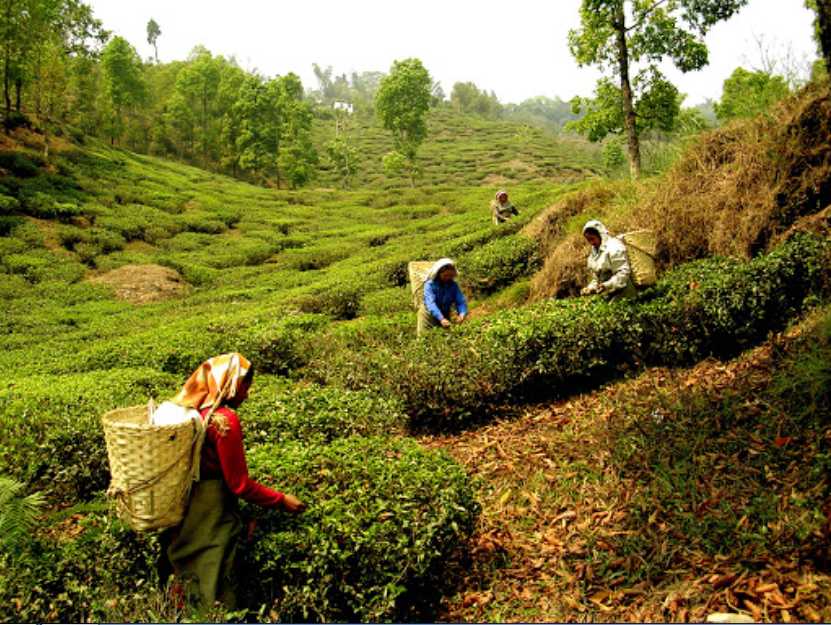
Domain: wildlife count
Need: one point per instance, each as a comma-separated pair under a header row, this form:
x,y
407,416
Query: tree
x,y
29,32
256,120
615,34
747,93
153,32
656,101
402,102
198,85
822,26
123,83
343,158
297,156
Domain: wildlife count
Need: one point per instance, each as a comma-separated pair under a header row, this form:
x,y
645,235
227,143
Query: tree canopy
x,y
616,35
747,93
401,103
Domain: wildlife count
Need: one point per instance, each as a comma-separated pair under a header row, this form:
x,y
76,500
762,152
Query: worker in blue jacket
x,y
441,293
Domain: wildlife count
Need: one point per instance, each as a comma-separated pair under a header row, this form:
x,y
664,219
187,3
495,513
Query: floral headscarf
x,y
216,380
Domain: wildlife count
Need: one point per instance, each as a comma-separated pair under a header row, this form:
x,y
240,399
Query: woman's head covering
x,y
440,264
215,381
597,227
500,192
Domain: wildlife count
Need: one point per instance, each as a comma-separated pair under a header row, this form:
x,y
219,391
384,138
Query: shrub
x,y
277,412
713,307
279,345
499,263
8,204
79,566
9,246
50,431
384,518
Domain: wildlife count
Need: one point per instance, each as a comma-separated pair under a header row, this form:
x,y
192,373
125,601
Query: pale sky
x,y
516,48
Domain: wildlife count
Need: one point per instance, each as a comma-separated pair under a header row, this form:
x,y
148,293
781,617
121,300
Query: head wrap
x,y
215,381
500,192
440,264
599,227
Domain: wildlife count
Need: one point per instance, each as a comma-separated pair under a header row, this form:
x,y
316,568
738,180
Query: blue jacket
x,y
438,298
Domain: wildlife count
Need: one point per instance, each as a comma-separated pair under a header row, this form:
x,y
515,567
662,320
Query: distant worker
x,y
608,263
441,293
501,209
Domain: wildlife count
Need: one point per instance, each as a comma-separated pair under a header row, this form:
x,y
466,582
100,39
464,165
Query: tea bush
x,y
78,567
499,263
712,307
50,431
383,519
276,412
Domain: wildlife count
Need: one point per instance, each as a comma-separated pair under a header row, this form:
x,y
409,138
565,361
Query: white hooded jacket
x,y
608,263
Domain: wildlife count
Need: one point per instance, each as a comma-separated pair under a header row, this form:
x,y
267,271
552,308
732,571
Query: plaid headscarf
x,y
216,380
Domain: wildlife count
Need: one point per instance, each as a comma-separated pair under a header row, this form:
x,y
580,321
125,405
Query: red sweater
x,y
223,457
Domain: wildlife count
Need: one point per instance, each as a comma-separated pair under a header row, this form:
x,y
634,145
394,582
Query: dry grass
x,y
140,284
736,191
740,186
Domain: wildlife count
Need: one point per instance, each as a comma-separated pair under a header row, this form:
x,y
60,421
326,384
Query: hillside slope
x,y
465,150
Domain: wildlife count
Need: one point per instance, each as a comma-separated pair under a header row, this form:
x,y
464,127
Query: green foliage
x,y
94,572
500,262
402,102
124,86
657,104
467,98
18,513
613,156
654,31
277,413
344,159
747,93
712,307
384,517
51,433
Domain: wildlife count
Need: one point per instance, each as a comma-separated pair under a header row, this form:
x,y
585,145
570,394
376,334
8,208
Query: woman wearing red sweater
x,y
200,551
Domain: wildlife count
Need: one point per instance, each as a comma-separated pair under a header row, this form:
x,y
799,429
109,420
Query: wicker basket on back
x,y
152,466
418,271
641,246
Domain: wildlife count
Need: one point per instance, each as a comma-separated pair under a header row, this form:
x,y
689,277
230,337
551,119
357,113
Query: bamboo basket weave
x,y
418,271
152,467
641,246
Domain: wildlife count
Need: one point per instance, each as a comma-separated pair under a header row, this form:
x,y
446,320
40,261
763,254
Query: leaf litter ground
x,y
585,518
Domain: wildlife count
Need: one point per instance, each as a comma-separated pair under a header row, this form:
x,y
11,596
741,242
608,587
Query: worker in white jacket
x,y
608,263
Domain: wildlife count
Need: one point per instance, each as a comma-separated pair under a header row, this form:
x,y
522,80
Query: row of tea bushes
x,y
52,437
384,518
709,307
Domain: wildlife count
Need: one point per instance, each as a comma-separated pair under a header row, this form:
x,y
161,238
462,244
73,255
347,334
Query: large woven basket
x,y
151,466
641,246
418,271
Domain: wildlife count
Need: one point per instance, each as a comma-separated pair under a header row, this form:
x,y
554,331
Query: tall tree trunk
x,y
156,52
629,116
7,62
6,86
18,87
824,23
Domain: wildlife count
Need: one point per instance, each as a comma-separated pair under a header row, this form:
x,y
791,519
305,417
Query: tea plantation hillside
x,y
121,273
462,150
86,240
